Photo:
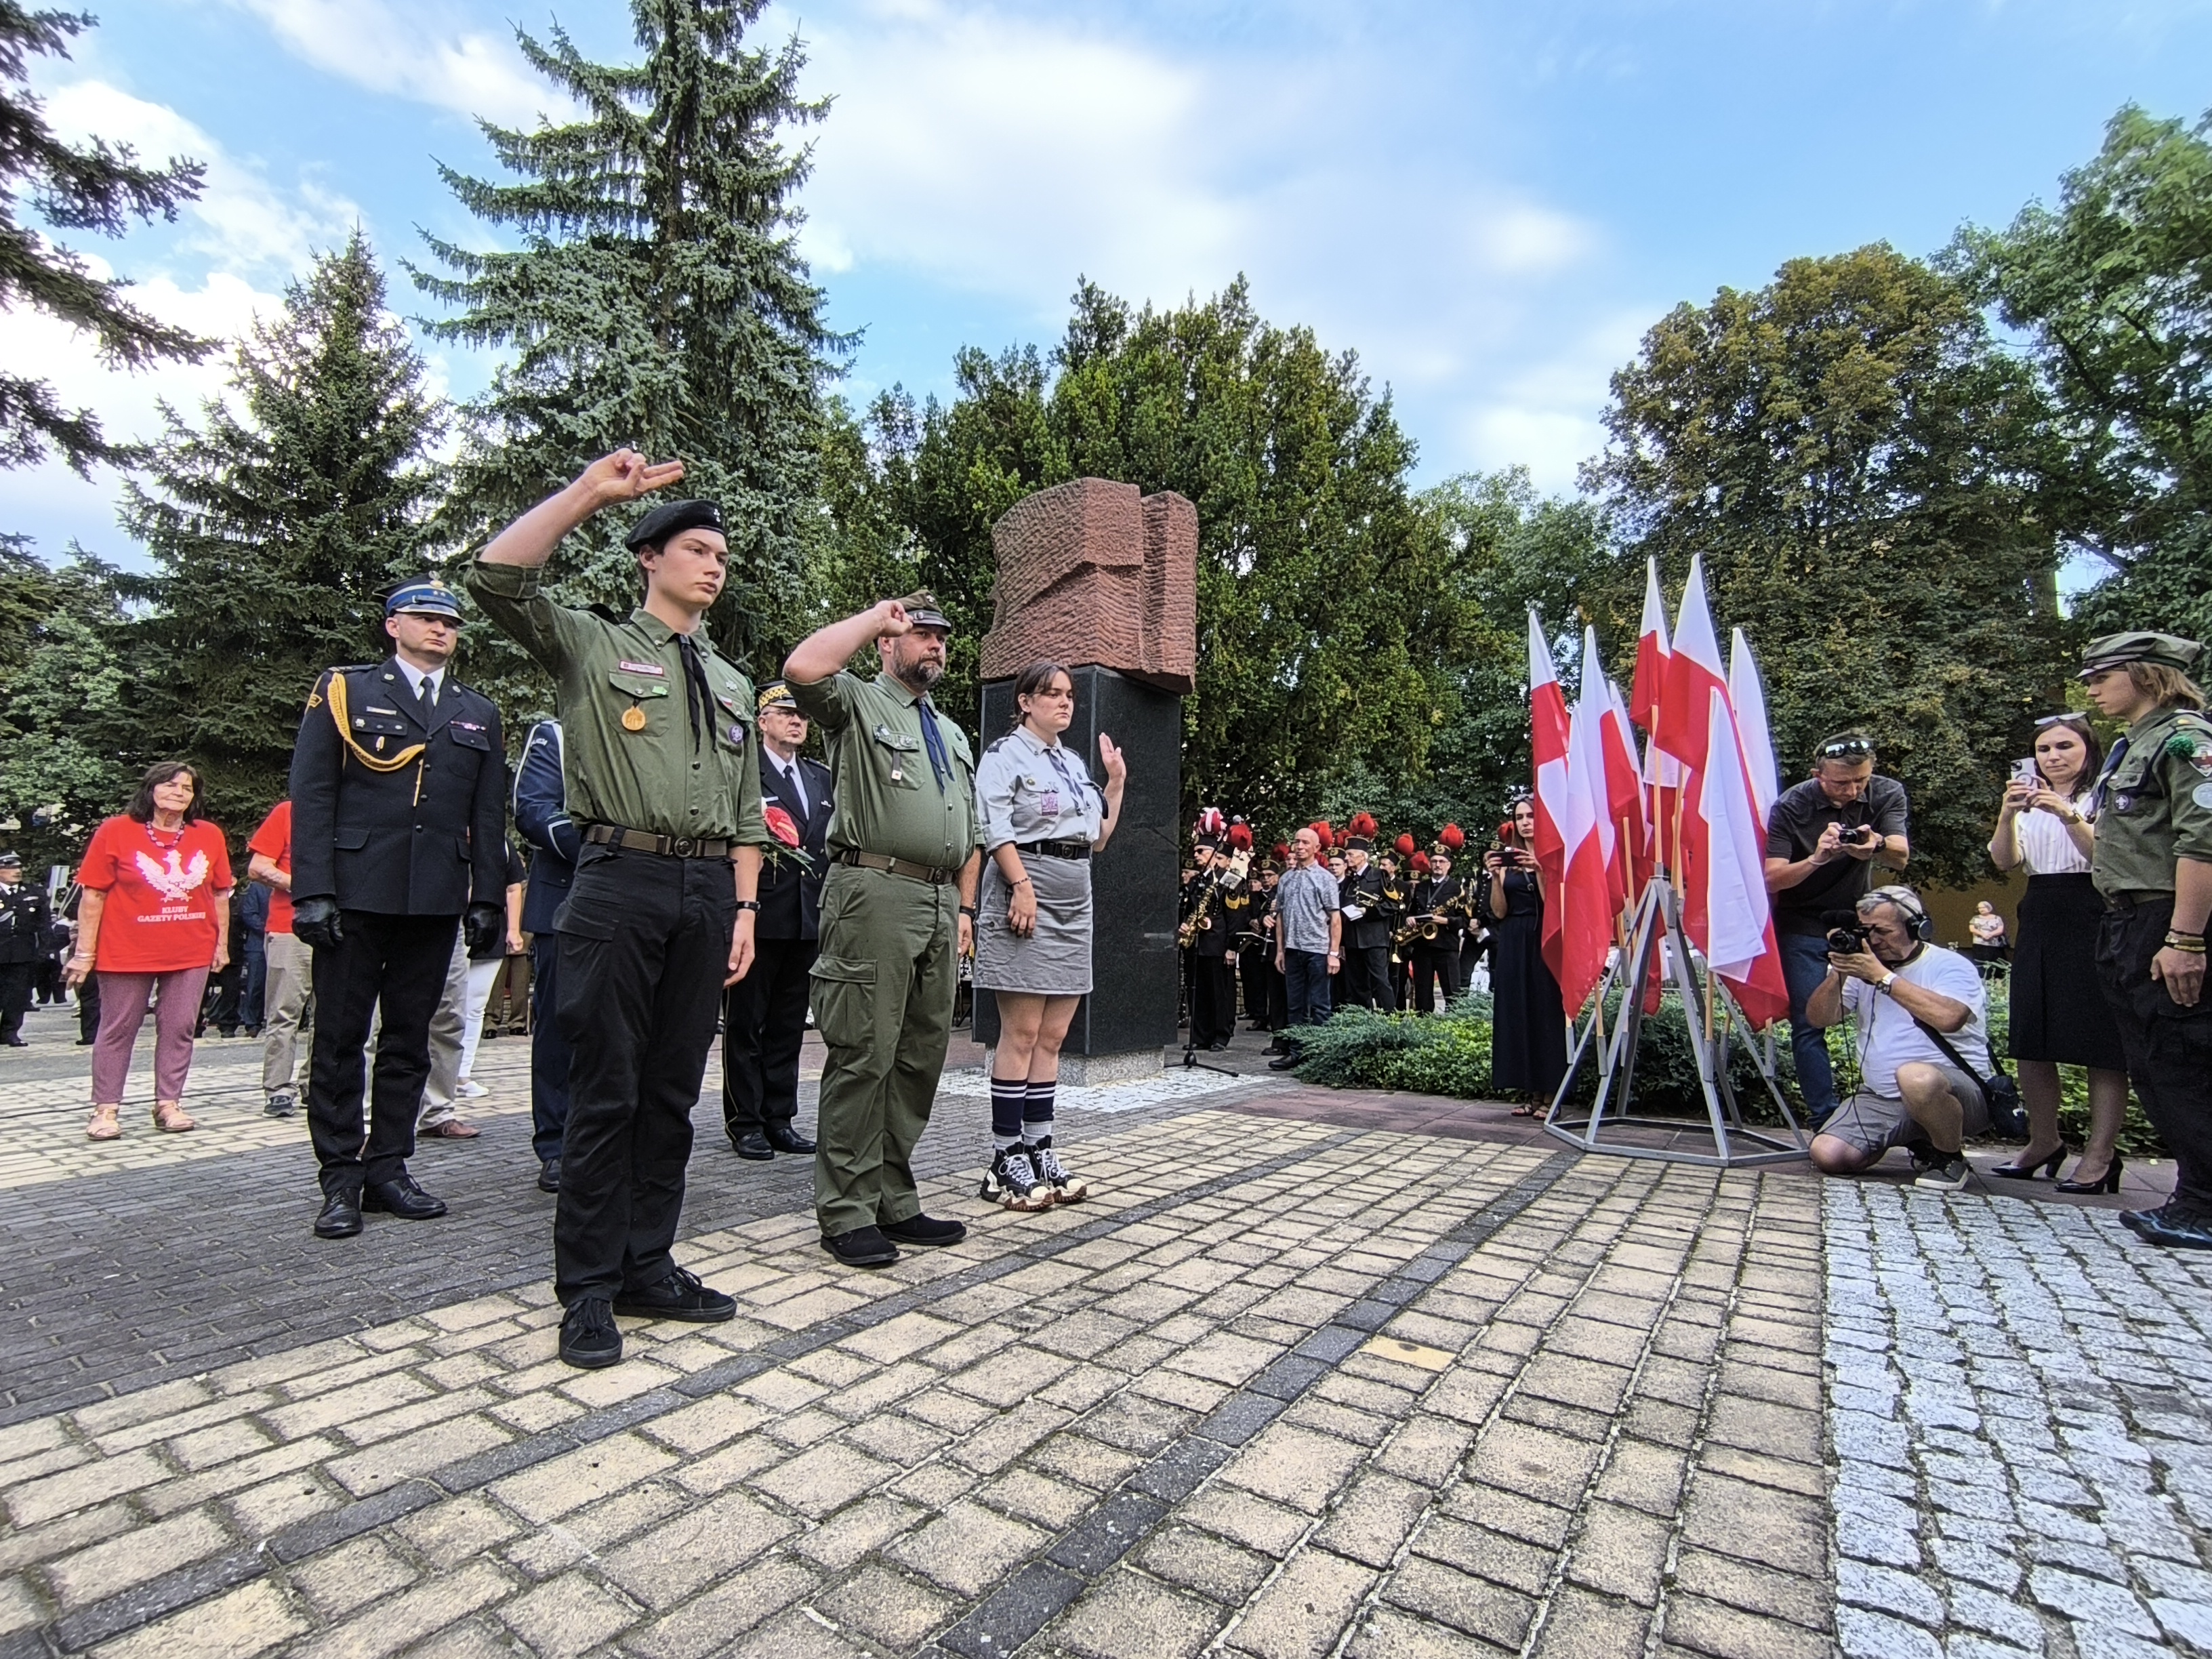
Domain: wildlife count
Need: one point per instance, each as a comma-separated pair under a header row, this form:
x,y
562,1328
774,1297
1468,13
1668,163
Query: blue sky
x,y
1488,202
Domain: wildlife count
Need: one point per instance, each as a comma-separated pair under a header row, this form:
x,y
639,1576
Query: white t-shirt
x,y
1887,1035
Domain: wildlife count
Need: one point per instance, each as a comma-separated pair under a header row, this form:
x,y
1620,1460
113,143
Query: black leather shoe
x,y
341,1216
1282,1062
864,1246
18,1042
753,1145
548,1175
400,1196
924,1230
2172,1231
590,1341
786,1139
679,1296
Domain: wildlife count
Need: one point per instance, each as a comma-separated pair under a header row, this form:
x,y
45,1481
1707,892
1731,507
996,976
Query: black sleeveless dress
x,y
1528,1028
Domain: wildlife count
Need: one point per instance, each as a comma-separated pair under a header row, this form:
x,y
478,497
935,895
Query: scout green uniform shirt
x,y
648,774
2155,804
888,802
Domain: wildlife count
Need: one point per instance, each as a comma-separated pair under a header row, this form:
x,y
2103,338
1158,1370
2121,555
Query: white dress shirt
x,y
417,676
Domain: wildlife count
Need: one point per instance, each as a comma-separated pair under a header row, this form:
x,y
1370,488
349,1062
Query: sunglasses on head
x,y
2056,720
1845,749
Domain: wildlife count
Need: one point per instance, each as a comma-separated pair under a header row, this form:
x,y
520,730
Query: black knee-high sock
x,y
1037,1110
1009,1097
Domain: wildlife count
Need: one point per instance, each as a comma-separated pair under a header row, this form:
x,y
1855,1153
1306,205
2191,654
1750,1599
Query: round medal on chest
x,y
633,719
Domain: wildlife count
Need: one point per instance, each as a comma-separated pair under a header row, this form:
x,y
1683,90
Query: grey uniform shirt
x,y
1028,790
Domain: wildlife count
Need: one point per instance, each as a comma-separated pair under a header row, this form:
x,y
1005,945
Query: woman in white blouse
x,y
2059,1016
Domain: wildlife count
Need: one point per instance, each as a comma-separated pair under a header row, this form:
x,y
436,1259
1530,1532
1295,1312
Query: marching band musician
x,y
1439,901
1207,928
1397,893
1275,1011
1367,929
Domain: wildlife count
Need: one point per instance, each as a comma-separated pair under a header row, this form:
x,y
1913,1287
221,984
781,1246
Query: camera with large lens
x,y
1847,934
1855,835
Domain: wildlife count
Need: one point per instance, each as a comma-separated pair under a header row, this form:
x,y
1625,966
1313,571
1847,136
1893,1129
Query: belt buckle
x,y
683,846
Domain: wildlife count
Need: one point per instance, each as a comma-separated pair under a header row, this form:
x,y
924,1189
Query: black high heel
x,y
2031,1171
2109,1184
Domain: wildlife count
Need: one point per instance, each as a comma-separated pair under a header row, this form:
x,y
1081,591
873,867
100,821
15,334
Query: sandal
x,y
1526,1110
171,1118
103,1126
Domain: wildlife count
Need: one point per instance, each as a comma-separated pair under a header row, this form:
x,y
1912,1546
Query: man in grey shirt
x,y
1308,937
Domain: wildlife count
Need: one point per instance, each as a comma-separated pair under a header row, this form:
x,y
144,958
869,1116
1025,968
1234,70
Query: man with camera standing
x,y
1921,1011
1822,837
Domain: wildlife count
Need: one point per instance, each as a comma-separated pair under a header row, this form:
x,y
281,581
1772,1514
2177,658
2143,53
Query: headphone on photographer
x,y
1917,922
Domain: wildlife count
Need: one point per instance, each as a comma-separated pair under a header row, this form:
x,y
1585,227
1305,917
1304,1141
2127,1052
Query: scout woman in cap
x,y
2153,806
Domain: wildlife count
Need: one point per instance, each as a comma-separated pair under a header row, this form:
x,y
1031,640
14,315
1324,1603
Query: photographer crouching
x,y
1822,837
1922,1041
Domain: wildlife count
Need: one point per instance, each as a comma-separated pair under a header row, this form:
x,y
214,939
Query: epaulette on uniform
x,y
607,613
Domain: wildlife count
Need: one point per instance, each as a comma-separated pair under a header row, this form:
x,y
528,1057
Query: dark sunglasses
x,y
1845,749
2057,719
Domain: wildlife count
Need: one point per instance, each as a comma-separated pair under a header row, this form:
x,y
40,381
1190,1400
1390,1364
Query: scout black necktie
x,y
2111,765
697,697
933,740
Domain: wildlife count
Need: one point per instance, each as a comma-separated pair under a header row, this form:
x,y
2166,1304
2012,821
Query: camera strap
x,y
1959,1060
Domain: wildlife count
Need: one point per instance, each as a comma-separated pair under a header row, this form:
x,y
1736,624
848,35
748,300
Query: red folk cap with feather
x,y
1240,835
1451,837
1327,835
1420,864
1406,845
1361,832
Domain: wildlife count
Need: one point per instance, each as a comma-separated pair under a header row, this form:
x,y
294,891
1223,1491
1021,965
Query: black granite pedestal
x,y
1131,1010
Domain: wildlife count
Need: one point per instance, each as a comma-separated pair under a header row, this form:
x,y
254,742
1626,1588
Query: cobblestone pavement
x,y
1311,1374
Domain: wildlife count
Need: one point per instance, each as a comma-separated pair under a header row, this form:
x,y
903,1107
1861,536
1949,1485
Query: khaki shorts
x,y
1872,1124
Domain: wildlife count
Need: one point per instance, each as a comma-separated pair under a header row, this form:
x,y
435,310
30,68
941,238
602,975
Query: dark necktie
x,y
426,699
2111,765
697,698
790,771
933,740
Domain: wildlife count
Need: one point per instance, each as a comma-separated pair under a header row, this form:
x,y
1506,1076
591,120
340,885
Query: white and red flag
x,y
1747,697
1587,899
1740,944
1626,808
1694,673
1645,693
1548,718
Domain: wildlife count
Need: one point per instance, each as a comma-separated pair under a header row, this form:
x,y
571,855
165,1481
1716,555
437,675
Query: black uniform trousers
x,y
399,964
1367,976
1252,975
548,1049
16,981
1212,1000
1435,963
2168,1047
763,1026
645,945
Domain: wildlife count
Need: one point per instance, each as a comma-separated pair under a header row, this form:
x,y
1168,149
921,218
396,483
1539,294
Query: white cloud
x,y
409,50
1546,415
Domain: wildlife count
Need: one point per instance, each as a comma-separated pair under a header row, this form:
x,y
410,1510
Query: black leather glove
x,y
315,923
484,926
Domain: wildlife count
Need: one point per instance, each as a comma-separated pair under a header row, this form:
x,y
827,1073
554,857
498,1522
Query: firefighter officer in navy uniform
x,y
399,834
764,1013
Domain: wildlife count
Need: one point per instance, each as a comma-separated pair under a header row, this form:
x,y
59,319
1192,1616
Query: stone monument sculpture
x,y
1102,579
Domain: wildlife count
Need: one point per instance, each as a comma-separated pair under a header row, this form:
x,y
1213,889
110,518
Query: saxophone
x,y
1200,913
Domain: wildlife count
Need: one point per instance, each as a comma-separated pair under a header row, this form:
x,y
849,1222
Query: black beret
x,y
658,525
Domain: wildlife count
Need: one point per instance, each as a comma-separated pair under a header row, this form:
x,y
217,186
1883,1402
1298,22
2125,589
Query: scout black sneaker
x,y
679,1296
1012,1181
589,1338
1051,1173
1946,1172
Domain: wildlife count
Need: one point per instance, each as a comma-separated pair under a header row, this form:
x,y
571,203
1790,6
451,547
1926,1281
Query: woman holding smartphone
x,y
1527,1023
2059,1015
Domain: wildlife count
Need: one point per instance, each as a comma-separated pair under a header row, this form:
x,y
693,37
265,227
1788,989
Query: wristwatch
x,y
968,911
1885,982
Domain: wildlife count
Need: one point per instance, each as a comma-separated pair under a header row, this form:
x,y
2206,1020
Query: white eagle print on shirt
x,y
176,880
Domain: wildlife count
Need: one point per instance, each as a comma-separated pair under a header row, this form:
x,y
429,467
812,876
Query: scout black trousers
x,y
2168,1047
645,945
399,964
763,1026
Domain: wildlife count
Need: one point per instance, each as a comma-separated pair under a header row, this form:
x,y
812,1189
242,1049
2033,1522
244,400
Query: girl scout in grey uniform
x,y
1043,819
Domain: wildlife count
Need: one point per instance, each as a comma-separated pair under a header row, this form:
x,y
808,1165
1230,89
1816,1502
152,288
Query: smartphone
x,y
2023,771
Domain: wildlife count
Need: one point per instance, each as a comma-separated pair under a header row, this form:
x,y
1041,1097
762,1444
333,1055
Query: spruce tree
x,y
276,530
96,186
656,299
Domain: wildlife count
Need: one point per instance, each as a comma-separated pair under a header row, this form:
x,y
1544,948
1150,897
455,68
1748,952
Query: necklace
x,y
155,836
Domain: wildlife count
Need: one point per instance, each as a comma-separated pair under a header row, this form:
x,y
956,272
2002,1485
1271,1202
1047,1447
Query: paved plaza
x,y
1311,1373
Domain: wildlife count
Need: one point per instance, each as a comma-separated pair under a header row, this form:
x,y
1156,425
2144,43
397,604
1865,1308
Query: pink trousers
x,y
123,998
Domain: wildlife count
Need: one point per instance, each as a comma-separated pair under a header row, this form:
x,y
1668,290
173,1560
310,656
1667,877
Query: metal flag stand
x,y
1714,1020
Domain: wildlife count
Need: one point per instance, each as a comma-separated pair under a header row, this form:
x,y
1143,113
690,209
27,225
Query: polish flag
x,y
1740,946
1660,769
1547,716
1626,808
1586,899
1694,673
1748,697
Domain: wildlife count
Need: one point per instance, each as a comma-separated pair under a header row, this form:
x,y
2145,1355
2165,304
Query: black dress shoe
x,y
2171,1229
785,1138
753,1145
924,1230
341,1216
679,1296
400,1196
864,1246
18,1042
1282,1062
548,1175
590,1340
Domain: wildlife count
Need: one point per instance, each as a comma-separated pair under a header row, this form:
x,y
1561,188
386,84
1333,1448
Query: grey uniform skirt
x,y
1055,960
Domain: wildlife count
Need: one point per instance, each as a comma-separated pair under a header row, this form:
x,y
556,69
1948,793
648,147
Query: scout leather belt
x,y
2135,901
928,873
1054,849
669,846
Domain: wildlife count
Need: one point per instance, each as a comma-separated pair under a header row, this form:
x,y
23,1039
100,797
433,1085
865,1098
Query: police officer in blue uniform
x,y
541,814
764,1013
398,832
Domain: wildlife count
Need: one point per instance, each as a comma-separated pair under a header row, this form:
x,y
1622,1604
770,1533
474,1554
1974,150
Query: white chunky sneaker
x,y
1012,1182
1051,1172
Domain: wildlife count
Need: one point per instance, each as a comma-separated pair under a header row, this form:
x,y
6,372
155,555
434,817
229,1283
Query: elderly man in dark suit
x,y
764,1013
541,814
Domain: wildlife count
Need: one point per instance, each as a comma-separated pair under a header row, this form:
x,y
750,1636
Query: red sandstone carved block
x,y
1092,571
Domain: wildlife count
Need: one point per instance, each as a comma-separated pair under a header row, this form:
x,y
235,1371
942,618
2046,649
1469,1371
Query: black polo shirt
x,y
1802,814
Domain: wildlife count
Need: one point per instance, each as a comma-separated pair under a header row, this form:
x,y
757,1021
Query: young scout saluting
x,y
905,840
663,781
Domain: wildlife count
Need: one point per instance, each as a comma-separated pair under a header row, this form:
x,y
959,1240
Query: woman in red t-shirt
x,y
153,923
